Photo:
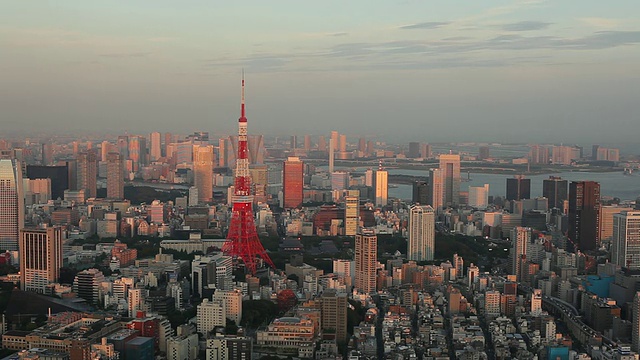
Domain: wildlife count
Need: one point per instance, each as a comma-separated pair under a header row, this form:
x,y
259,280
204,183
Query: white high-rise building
x,y
351,215
422,233
232,303
536,302
366,261
183,347
155,151
458,264
492,303
625,250
381,187
472,275
520,239
136,301
11,204
479,196
210,314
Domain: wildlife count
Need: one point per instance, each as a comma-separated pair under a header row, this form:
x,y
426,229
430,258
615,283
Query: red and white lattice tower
x,y
242,240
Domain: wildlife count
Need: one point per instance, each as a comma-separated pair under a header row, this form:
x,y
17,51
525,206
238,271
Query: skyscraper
x,y
450,167
40,257
520,239
155,151
334,136
351,215
414,150
115,176
483,153
381,186
59,176
625,251
334,314
87,173
422,233
292,182
420,193
203,172
11,204
47,154
332,155
307,142
518,188
322,143
584,212
479,196
435,192
635,324
366,261
555,189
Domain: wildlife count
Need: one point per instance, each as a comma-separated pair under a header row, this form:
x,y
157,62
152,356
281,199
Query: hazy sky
x,y
512,71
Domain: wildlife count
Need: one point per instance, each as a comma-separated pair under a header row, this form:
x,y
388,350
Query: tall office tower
x,y
87,285
607,154
232,303
332,155
155,150
458,264
450,167
343,143
222,152
351,215
435,196
362,145
425,151
11,204
334,314
256,149
422,233
625,249
47,154
366,261
538,154
40,257
322,143
520,239
370,148
339,180
420,194
307,142
381,186
123,146
472,275
335,137
565,155
635,324
293,143
203,172
479,196
536,302
594,152
242,238
59,176
292,182
584,212
518,188
483,153
76,147
556,190
259,181
414,150
136,301
606,221
115,176
210,314
168,139
87,174
368,177
135,151
105,148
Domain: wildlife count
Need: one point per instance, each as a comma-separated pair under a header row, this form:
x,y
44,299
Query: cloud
x,y
601,22
338,34
425,25
526,26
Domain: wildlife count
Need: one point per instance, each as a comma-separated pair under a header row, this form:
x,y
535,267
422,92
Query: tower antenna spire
x,y
242,110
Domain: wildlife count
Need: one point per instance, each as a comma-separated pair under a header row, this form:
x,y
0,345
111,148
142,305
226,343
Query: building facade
x,y
11,204
366,261
421,230
40,257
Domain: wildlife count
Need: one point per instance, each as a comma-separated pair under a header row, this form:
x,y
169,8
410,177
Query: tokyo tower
x,y
242,239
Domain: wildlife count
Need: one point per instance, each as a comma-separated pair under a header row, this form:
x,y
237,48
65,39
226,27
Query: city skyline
x,y
522,69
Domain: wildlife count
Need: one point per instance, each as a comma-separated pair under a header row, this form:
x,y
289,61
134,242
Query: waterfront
x,y
612,184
